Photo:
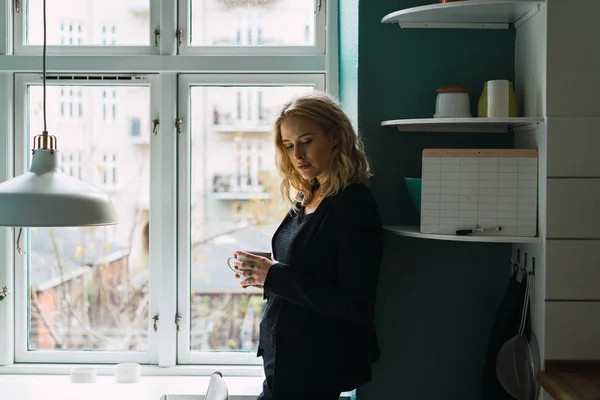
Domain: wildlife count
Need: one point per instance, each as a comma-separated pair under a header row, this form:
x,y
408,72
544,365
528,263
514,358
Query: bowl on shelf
x,y
414,190
452,102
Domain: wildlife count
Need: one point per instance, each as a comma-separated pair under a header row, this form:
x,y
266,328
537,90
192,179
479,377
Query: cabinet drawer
x,y
573,270
572,208
573,145
572,330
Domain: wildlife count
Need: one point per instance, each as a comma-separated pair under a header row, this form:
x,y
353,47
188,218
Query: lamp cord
x,y
45,132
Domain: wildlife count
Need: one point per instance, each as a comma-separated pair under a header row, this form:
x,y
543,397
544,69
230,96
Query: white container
x,y
128,373
498,99
83,375
452,102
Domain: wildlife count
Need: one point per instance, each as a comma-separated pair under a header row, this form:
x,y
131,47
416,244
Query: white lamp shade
x,y
46,197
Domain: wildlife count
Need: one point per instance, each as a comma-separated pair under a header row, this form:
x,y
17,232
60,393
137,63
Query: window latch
x,y
179,34
156,35
178,123
155,127
319,5
177,321
155,318
18,6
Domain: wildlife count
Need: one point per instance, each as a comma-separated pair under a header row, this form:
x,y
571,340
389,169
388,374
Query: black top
x,y
284,238
325,282
282,244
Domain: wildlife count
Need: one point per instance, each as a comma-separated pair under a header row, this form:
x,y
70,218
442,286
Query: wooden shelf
x,y
415,231
466,14
464,125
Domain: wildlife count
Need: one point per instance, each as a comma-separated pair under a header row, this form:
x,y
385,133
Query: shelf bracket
x,y
528,16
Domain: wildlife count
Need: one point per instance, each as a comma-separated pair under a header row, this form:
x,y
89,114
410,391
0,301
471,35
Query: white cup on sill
x,y
128,373
83,375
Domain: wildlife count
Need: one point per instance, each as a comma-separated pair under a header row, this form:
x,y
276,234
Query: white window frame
x,y
20,47
20,290
19,65
320,47
186,82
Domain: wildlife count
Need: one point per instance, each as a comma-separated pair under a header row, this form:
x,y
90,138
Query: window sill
x,y
50,382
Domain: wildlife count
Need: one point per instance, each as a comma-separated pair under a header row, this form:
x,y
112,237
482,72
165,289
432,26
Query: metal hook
x,y
516,265
19,247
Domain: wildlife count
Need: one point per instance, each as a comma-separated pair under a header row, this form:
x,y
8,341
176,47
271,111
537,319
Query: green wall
x,y
437,299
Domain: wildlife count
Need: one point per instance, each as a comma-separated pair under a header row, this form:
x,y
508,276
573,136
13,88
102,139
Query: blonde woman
x,y
317,335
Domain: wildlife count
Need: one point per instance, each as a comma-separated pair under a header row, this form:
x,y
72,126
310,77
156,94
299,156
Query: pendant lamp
x,y
45,196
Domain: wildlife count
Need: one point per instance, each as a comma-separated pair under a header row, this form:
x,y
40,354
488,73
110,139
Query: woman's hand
x,y
255,267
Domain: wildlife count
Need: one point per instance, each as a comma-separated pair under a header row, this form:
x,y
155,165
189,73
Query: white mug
x,y
244,259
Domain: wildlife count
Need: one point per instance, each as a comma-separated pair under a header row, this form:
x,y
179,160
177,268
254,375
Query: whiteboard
x,y
480,188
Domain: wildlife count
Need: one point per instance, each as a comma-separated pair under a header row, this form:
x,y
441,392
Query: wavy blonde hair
x,y
348,163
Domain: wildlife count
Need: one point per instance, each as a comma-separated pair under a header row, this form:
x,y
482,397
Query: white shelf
x,y
466,14
415,231
464,125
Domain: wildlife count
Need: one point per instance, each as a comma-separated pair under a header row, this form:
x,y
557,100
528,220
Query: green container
x,y
414,189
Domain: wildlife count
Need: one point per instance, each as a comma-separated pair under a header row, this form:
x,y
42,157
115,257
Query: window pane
x,y
235,204
89,22
252,23
89,286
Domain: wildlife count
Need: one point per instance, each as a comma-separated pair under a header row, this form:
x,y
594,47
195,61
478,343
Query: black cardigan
x,y
324,330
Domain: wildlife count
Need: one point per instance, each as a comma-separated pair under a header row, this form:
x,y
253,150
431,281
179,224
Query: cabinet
x,y
528,17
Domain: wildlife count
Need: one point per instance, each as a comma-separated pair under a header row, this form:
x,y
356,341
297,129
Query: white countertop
x,y
59,387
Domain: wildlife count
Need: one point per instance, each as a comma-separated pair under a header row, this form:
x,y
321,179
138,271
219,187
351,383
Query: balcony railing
x,y
238,187
259,121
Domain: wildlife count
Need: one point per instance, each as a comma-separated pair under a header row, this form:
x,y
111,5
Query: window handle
x,y
156,35
18,6
319,6
179,34
178,123
155,127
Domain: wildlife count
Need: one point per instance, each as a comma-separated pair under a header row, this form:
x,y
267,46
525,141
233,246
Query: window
x,y
109,34
88,27
273,25
109,104
227,181
72,163
109,169
71,32
89,286
71,103
183,148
